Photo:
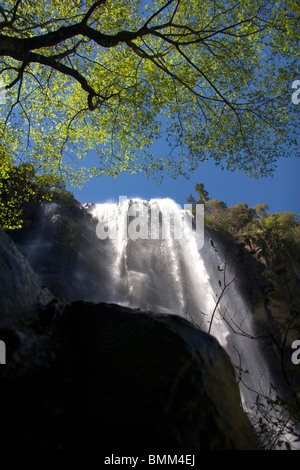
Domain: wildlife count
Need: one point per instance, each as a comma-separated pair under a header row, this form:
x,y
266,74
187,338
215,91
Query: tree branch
x,y
157,13
19,76
91,10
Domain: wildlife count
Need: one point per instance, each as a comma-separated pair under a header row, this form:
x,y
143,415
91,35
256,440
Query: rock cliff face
x,y
62,247
100,376
274,293
272,290
21,290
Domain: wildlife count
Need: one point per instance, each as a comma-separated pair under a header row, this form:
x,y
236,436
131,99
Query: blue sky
x,y
281,192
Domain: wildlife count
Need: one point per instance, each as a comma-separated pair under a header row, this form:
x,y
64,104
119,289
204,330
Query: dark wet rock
x,y
61,245
115,379
21,290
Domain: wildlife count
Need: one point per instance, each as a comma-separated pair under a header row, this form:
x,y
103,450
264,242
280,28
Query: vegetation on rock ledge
x,y
273,233
21,184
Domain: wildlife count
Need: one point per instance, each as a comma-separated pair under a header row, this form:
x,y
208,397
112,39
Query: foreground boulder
x,y
150,382
118,379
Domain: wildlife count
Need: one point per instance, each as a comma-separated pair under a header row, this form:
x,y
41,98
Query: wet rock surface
x,y
101,376
21,290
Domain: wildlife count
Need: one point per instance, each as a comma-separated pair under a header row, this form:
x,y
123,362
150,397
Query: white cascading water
x,y
161,275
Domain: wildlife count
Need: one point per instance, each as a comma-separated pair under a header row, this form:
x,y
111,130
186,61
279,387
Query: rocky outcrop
x,y
21,290
62,246
156,383
271,289
274,290
117,379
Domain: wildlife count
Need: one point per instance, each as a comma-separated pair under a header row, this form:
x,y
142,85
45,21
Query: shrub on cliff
x,y
20,184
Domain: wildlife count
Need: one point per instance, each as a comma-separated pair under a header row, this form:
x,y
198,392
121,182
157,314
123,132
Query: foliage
x,y
20,184
202,192
213,77
214,206
273,232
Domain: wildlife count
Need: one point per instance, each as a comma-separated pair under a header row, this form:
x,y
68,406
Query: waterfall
x,y
168,275
158,272
146,255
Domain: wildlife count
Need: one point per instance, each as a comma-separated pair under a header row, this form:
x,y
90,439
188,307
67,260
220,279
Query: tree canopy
x,y
212,77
